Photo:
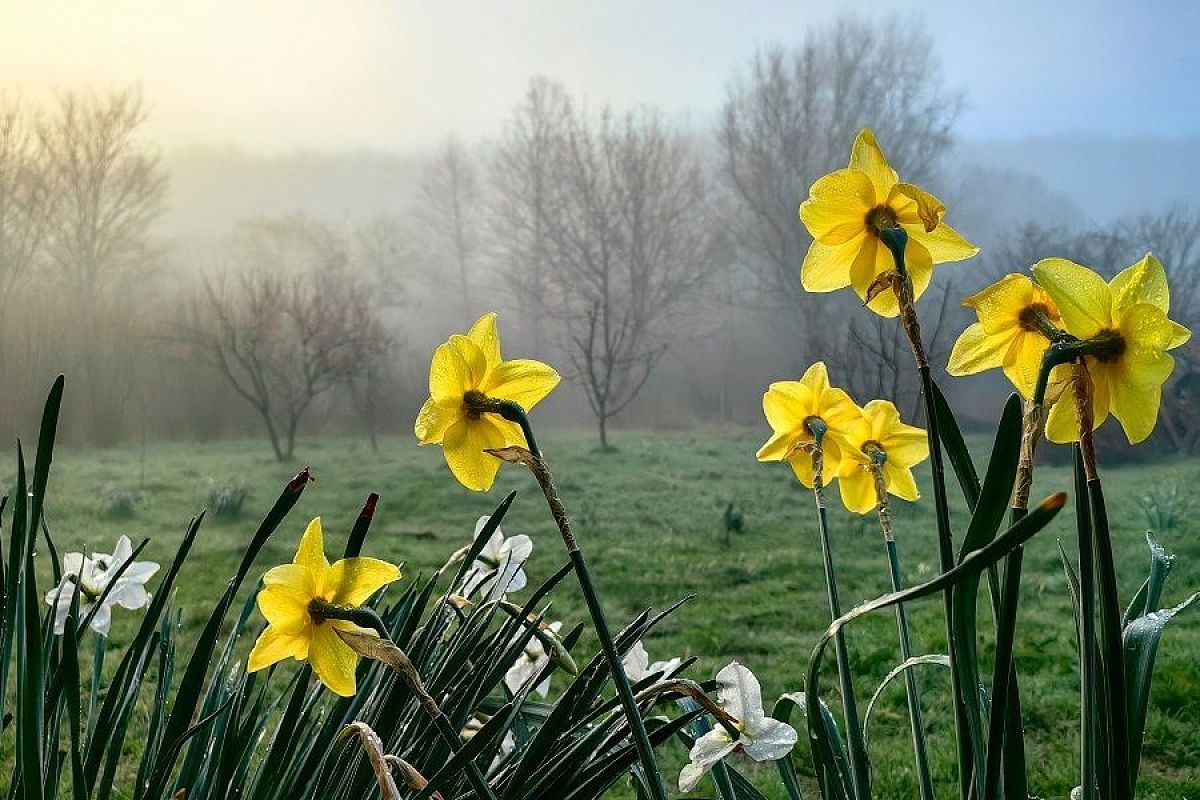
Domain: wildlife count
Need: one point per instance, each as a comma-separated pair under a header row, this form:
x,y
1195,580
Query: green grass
x,y
649,517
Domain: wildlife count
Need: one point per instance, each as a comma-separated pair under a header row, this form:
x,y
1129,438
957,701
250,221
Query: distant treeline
x,y
656,266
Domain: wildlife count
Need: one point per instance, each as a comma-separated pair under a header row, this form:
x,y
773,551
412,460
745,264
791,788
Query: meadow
x,y
652,518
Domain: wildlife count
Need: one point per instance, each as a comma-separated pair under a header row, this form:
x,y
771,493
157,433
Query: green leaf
x,y
1141,646
971,566
956,448
1150,593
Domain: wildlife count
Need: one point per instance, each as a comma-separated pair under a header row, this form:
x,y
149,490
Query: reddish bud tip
x,y
301,480
368,509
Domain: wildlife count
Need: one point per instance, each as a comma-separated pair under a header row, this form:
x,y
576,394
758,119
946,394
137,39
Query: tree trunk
x,y
272,435
604,432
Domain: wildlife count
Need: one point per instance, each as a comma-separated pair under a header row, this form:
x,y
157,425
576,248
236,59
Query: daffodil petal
x,y
867,156
977,350
1136,406
463,446
332,659
311,553
837,205
273,646
827,268
1143,282
801,464
816,378
1179,336
706,751
999,305
772,740
900,482
943,243
777,447
352,581
1023,361
524,381
435,417
474,359
740,693
838,411
1082,296
1062,423
449,374
915,206
285,607
786,404
484,334
857,489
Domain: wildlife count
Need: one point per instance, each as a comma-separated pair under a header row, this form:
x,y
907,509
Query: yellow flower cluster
x,y
856,441
1122,324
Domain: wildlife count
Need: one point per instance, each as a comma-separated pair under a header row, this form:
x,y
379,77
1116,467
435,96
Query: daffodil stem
x,y
1087,637
915,716
896,239
1111,640
854,737
368,618
515,413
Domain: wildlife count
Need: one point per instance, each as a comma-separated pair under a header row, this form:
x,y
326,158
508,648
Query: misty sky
x,y
280,76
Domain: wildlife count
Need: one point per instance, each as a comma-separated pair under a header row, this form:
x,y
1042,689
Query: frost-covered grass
x,y
651,517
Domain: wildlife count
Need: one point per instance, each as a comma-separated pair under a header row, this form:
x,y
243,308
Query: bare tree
x,y
26,199
624,237
521,173
109,189
447,218
791,116
380,254
285,329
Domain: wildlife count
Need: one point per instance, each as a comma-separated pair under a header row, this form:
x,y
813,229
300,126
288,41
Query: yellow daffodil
x,y
471,366
291,600
844,213
1016,319
789,405
880,440
1126,322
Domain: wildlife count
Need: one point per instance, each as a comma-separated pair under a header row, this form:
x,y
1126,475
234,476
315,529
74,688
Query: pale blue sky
x,y
275,76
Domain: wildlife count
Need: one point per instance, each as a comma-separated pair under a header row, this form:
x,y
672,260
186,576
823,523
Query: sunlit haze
x,y
275,77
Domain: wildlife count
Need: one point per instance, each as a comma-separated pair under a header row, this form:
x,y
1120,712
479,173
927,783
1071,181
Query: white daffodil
x,y
637,663
531,662
761,737
91,575
507,744
497,568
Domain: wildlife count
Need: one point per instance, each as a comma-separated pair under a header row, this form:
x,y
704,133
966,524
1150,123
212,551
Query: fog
x,y
378,146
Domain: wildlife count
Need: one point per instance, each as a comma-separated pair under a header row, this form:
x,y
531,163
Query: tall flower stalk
x,y
880,454
809,420
858,217
531,457
901,284
478,411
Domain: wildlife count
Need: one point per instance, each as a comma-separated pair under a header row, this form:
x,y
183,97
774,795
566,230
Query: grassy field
x,y
650,518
